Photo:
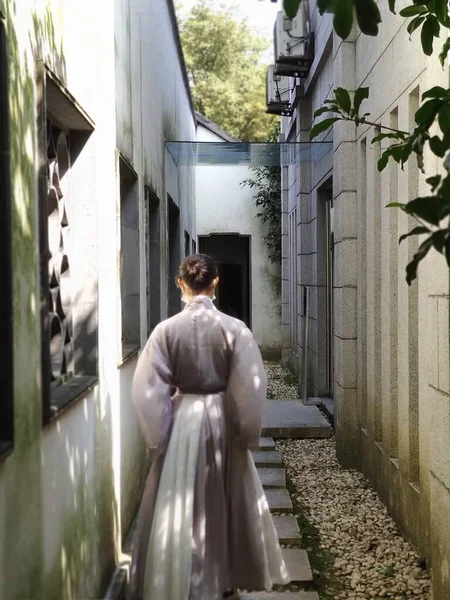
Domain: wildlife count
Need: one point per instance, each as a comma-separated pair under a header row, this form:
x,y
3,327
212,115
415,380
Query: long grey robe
x,y
204,352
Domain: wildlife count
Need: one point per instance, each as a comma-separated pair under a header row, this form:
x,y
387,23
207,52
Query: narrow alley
x,y
281,169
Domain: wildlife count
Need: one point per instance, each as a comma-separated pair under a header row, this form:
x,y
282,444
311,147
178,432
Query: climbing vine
x,y
266,182
432,120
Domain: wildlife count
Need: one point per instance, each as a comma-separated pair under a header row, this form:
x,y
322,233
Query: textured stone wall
x,y
391,341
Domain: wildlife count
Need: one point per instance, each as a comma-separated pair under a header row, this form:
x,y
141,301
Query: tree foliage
x,y
432,120
223,60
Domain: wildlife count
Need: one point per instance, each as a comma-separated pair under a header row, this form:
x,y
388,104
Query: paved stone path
x,y
292,419
273,478
285,418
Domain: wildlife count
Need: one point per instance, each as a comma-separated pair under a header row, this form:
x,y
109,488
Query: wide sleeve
x,y
151,392
246,391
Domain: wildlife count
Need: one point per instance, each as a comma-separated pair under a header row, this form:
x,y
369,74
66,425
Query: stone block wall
x,y
390,342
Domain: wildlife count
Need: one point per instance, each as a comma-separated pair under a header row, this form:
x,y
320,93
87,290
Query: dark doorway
x,y
153,248
229,294
173,218
232,255
187,244
325,250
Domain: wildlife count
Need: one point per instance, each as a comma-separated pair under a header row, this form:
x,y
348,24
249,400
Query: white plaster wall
x,y
152,107
224,206
69,491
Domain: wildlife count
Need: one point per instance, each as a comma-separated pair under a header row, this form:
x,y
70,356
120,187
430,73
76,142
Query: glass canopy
x,y
246,153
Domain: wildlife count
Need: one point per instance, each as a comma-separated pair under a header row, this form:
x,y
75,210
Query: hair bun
x,y
198,271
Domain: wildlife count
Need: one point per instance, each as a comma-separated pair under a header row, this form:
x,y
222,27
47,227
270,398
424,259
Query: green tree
x,y
223,60
432,120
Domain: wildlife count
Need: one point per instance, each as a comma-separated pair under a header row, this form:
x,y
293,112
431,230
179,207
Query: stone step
x,y
280,596
287,529
279,500
297,563
266,443
292,419
299,570
267,458
272,478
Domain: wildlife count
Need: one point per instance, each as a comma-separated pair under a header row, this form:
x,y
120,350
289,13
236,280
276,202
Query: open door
x,y
232,255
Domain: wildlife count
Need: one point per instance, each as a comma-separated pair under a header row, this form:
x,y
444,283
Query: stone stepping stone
x,y
272,478
297,563
279,501
280,596
267,458
287,529
266,443
292,419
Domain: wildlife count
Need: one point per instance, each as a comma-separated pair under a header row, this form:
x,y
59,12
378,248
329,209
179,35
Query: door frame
x,y
249,265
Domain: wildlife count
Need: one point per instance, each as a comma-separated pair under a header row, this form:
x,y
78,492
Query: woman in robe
x,y
204,528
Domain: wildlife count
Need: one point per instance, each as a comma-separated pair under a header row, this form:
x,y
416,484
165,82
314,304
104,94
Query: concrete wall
x,y
69,490
391,357
223,206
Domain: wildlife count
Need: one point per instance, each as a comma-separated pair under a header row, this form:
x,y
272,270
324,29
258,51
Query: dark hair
x,y
198,272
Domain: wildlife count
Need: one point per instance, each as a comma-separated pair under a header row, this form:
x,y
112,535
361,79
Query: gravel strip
x,y
368,558
281,384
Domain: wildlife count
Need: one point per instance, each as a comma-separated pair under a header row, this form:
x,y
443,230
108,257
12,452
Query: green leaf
x,y
435,92
343,99
392,6
383,136
434,181
325,109
438,239
395,205
427,36
412,11
415,24
322,126
343,18
325,6
384,159
399,152
441,9
411,268
444,52
428,208
447,250
368,16
427,112
361,94
415,231
437,146
291,7
435,24
444,117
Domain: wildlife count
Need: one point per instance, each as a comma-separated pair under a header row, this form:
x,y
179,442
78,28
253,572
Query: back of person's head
x,y
198,272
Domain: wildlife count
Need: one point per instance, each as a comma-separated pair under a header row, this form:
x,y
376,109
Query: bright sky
x,y
260,13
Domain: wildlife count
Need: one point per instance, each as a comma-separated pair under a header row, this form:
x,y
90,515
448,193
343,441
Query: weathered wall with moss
x,y
69,491
224,207
152,107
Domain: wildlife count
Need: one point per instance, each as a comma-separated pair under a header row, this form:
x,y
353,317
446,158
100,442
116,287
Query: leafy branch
x,y
432,211
432,120
430,16
266,183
